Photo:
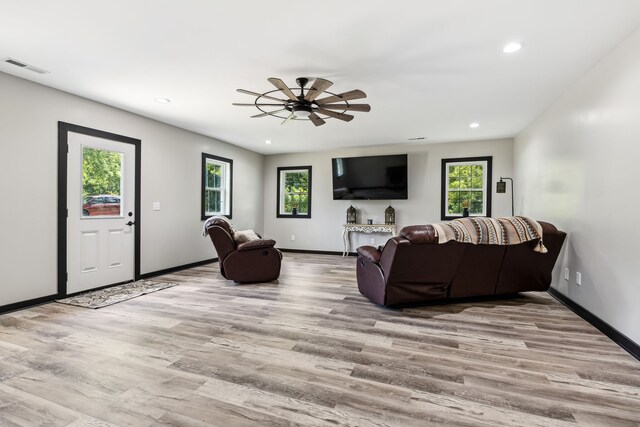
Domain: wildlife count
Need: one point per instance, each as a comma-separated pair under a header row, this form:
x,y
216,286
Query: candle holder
x,y
351,215
390,216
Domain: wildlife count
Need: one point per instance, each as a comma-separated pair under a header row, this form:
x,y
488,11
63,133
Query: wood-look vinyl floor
x,y
309,350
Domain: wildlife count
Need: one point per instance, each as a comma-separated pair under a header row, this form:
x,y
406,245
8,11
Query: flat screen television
x,y
370,177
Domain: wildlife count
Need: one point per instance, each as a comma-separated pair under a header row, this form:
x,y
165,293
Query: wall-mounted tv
x,y
370,177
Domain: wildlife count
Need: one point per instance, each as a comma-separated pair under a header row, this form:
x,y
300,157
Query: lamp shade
x,y
301,110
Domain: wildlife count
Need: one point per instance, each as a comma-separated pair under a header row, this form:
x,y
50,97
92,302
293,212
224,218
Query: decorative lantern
x,y
351,215
390,216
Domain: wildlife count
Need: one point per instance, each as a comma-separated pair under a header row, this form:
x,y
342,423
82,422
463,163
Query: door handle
x,y
130,223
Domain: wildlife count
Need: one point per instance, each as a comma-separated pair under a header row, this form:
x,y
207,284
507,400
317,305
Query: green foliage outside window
x,y
214,175
213,189
101,172
217,186
212,201
296,192
465,189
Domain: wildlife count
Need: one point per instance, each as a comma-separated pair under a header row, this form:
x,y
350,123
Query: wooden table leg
x,y
345,239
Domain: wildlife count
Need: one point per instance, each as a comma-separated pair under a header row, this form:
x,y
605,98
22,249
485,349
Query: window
x,y
466,183
217,175
294,192
101,182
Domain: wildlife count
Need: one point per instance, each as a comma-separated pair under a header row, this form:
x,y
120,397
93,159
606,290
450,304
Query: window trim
x,y
279,186
205,157
488,192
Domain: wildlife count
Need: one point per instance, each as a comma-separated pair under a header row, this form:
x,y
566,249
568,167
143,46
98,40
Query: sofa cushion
x,y
242,236
256,244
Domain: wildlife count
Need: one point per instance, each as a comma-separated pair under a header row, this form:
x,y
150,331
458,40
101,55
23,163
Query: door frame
x,y
63,148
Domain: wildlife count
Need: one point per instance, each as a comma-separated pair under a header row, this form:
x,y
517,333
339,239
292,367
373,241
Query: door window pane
x,y
101,182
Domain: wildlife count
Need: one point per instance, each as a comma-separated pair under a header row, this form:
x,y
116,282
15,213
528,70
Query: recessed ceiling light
x,y
268,141
512,47
474,125
163,100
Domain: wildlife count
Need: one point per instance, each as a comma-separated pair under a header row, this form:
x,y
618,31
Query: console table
x,y
364,228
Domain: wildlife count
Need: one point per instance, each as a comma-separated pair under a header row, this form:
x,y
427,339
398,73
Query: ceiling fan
x,y
306,106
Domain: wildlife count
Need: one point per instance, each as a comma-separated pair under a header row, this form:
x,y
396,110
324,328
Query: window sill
x,y
206,217
449,218
307,216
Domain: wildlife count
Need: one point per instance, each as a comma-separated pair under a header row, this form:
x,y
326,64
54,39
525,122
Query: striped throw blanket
x,y
509,230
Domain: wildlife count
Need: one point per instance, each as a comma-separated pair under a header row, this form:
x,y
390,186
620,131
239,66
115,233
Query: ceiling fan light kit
x,y
301,110
306,106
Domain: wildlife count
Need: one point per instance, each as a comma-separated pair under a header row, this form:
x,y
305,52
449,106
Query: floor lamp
x,y
501,187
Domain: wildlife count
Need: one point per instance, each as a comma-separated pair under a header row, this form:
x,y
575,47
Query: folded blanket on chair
x,y
509,230
205,226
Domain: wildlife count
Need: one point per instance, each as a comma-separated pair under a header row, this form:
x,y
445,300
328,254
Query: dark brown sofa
x,y
414,268
248,262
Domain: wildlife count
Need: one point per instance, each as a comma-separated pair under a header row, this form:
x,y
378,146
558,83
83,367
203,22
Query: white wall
x,y
323,231
577,167
171,167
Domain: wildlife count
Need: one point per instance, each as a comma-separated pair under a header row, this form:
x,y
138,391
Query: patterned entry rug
x,y
115,294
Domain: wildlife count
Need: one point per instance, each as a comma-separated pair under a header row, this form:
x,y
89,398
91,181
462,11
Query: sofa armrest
x,y
256,244
420,234
548,228
370,253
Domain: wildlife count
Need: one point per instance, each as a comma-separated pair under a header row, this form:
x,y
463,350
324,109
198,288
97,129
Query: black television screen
x,y
370,178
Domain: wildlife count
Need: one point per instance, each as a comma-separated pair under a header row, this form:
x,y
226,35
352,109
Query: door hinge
x,y
66,276
67,148
67,212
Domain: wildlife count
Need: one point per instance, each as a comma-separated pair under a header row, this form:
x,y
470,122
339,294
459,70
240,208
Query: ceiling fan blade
x,y
351,107
248,92
267,114
283,88
316,120
339,116
291,117
319,86
347,96
237,104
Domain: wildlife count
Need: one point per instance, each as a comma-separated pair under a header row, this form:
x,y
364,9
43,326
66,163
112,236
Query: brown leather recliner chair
x,y
414,267
248,262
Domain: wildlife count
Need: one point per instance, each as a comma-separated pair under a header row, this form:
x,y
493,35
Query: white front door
x,y
100,203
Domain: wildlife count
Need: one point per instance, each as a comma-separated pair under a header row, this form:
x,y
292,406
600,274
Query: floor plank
x,y
309,350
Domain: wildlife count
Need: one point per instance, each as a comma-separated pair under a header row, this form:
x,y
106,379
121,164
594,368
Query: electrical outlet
x,y
293,237
373,241
578,278
156,206
566,274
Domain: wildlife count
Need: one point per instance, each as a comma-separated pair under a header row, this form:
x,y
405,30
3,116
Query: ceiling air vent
x,y
25,66
14,62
